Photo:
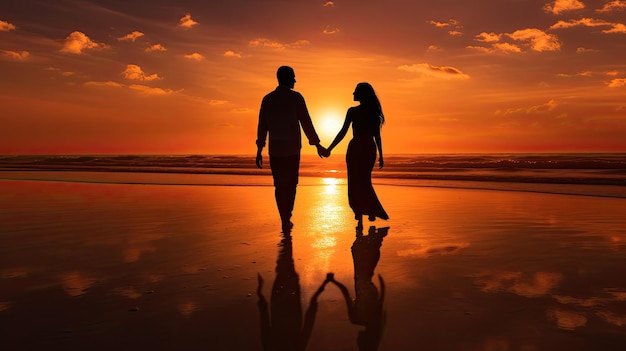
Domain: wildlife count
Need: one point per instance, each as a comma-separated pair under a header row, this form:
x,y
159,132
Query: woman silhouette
x,y
366,309
366,119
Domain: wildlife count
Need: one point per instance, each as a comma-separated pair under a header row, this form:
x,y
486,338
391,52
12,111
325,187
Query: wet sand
x,y
162,267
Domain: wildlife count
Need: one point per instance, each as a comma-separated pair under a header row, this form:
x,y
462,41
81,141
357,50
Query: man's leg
x,y
285,172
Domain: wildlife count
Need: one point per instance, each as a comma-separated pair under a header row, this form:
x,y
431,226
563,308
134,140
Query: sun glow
x,y
329,125
331,181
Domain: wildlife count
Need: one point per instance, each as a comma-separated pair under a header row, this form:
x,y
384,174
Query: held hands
x,y
322,151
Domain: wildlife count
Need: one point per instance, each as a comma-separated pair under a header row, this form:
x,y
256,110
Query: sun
x,y
329,125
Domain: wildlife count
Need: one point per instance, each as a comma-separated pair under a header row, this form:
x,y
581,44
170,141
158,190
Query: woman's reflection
x,y
367,307
282,327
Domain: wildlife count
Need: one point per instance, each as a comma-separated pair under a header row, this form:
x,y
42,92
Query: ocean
x,y
591,174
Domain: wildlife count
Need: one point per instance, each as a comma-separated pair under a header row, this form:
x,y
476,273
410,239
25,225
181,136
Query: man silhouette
x,y
283,111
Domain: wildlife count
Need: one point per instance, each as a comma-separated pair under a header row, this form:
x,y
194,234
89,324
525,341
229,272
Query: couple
x,y
283,111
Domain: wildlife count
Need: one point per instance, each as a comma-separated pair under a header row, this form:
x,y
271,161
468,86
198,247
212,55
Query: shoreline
x,y
232,180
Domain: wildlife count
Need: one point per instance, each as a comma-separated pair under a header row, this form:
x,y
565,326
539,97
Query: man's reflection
x,y
282,326
367,307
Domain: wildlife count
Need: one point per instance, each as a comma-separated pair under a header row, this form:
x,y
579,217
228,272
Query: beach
x,y
88,265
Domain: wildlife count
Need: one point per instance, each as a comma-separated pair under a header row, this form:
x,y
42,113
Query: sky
x,y
187,77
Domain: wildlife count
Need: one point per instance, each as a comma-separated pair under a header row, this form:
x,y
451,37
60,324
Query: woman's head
x,y
365,94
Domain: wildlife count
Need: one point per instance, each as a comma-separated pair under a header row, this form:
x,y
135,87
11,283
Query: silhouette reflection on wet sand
x,y
367,307
282,326
281,323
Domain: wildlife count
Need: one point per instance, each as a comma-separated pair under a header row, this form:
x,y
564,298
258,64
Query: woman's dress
x,y
360,160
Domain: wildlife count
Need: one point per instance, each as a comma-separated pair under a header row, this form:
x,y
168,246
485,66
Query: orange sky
x,y
181,76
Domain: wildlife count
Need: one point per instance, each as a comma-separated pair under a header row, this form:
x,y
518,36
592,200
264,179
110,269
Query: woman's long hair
x,y
370,101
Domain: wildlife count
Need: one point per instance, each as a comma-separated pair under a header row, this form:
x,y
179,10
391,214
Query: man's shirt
x,y
282,113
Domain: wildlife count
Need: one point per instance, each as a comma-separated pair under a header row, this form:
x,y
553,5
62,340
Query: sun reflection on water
x,y
328,218
331,185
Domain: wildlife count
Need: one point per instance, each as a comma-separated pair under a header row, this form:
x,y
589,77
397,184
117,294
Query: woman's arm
x,y
342,132
379,144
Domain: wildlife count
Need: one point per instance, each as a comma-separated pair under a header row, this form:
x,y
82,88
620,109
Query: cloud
x,y
548,106
438,24
77,42
617,28
451,23
264,42
534,38
143,89
455,24
582,50
230,53
590,74
146,90
617,83
507,47
104,84
588,22
579,74
443,72
6,26
327,30
16,55
63,73
539,40
617,5
480,48
131,36
217,102
433,48
488,37
243,110
328,4
559,6
186,21
496,46
195,56
134,72
155,47
541,108
591,22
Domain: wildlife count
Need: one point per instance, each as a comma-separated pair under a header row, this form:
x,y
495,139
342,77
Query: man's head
x,y
286,76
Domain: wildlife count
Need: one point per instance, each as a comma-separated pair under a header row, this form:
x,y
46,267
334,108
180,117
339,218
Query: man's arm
x,y
306,123
261,134
309,318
